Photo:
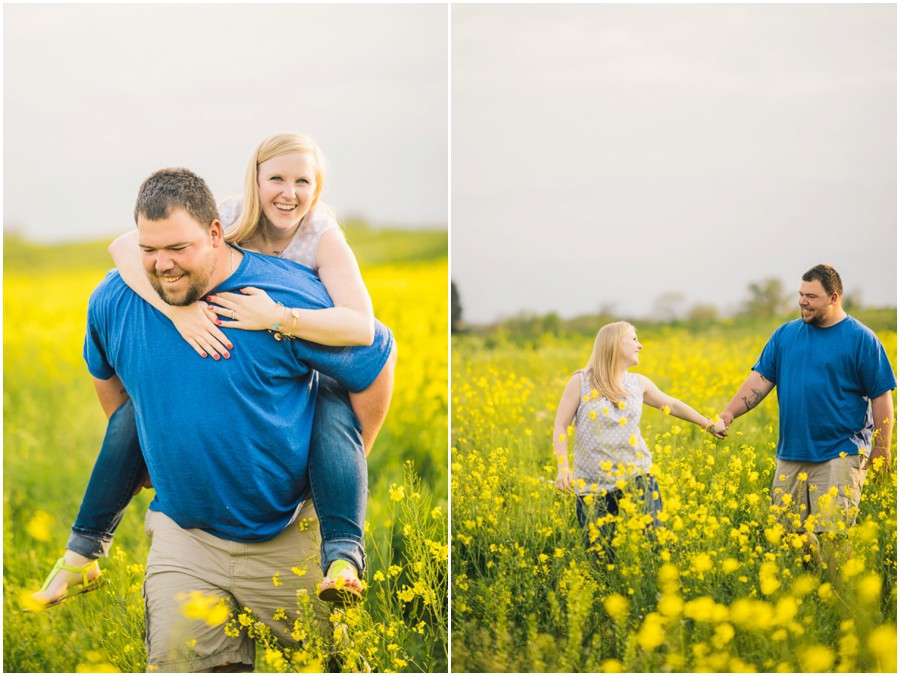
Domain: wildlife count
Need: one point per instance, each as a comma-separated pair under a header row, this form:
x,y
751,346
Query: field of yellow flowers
x,y
722,590
52,430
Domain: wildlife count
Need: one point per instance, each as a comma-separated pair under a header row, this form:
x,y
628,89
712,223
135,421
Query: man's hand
x,y
720,429
145,483
880,457
879,462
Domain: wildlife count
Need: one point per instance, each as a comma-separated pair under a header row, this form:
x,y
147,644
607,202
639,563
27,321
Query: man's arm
x,y
883,413
748,396
371,405
111,394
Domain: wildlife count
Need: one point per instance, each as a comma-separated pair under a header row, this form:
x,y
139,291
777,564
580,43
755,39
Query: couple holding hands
x,y
834,383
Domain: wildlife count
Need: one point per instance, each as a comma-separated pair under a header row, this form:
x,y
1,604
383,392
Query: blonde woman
x,y
604,399
279,215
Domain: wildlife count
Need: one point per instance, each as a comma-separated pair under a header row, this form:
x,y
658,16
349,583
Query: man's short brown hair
x,y
169,189
827,276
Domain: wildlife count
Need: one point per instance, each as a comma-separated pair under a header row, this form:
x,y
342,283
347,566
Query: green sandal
x,y
336,588
73,589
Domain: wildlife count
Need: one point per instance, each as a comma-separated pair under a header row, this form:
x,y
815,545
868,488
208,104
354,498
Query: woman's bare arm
x,y
656,398
565,414
350,322
194,322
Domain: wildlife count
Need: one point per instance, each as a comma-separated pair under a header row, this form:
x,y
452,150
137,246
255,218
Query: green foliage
x,y
456,310
382,246
371,246
21,255
767,298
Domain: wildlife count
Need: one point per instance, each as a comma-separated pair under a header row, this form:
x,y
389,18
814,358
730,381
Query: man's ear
x,y
216,232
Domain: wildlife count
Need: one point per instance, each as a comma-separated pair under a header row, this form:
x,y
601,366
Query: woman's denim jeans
x,y
642,487
116,476
338,478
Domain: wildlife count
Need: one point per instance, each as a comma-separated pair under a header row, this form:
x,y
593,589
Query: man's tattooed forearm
x,y
750,402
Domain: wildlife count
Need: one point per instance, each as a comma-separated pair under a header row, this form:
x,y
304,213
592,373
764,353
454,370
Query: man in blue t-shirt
x,y
225,442
836,415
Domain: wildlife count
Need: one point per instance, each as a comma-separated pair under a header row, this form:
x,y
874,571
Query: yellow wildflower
x,y
38,526
616,607
882,642
817,658
651,635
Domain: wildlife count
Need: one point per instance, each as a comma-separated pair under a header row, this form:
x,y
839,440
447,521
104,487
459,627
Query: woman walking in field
x,y
605,400
279,215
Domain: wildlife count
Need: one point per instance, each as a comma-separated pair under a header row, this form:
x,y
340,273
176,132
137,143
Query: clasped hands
x,y
199,323
719,429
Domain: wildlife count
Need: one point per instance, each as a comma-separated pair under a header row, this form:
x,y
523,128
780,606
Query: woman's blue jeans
x,y
642,487
338,479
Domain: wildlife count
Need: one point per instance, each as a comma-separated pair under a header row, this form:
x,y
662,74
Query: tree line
x,y
765,298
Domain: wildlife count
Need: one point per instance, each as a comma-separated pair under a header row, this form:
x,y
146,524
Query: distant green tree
x,y
767,298
669,307
551,323
456,312
852,300
703,313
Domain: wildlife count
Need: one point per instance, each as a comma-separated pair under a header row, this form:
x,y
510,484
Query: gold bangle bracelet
x,y
282,334
276,327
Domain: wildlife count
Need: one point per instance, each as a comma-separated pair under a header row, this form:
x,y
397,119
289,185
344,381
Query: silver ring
x,y
232,316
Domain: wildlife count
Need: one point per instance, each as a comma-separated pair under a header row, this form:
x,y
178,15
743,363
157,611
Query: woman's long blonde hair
x,y
247,226
605,364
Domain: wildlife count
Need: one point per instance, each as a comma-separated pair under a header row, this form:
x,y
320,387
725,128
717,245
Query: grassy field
x,y
53,427
725,590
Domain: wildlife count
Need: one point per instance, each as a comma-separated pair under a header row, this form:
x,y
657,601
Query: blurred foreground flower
x,y
818,658
39,526
199,606
883,643
28,603
95,665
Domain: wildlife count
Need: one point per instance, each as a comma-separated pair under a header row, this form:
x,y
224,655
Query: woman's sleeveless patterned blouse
x,y
302,249
608,435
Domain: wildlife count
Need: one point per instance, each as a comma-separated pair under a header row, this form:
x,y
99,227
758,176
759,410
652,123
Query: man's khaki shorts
x,y
188,571
820,496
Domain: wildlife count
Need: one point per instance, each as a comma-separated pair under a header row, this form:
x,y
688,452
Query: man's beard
x,y
198,284
815,319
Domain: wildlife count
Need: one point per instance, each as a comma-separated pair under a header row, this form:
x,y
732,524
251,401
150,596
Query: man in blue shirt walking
x,y
836,415
226,443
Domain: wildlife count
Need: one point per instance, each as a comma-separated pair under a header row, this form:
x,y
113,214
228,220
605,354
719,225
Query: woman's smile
x,y
287,185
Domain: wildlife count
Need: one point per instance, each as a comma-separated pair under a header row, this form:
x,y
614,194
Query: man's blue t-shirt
x,y
226,442
825,378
